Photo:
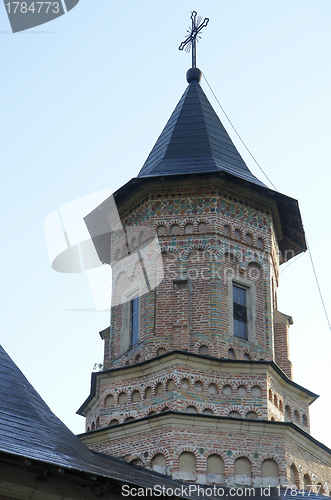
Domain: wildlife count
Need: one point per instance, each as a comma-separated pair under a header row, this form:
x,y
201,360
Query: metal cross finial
x,y
191,39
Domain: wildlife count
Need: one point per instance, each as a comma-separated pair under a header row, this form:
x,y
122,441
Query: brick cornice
x,y
189,359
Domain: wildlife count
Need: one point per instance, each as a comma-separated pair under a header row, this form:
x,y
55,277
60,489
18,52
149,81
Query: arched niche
x,y
187,466
159,464
269,472
215,469
242,471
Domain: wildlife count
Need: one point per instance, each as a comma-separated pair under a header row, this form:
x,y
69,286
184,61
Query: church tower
x,y
197,381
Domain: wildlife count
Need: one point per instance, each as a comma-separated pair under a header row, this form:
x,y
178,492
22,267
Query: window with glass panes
x,y
134,320
239,312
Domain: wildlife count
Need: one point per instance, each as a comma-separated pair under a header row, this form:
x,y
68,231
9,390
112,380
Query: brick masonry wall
x,y
204,257
255,446
209,237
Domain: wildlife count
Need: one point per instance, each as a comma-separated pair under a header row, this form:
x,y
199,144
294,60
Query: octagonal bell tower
x,y
197,381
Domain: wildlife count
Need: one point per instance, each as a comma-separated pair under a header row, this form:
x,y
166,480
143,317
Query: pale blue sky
x,y
84,99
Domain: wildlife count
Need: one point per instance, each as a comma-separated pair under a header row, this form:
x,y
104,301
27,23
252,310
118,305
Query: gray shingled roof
x,y
195,141
29,429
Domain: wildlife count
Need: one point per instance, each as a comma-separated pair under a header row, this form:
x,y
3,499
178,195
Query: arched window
x,y
242,471
187,466
159,464
161,351
191,409
275,400
305,420
270,473
98,423
270,394
287,413
246,356
208,411
92,426
226,231
280,406
215,469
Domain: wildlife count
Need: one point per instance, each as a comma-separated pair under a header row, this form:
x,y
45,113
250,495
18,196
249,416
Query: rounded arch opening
x,y
187,466
270,473
242,471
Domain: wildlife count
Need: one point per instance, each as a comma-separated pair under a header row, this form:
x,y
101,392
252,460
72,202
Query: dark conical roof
x,y
195,141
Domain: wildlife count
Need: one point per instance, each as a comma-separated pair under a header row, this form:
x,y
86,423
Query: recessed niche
x,y
202,227
227,390
135,396
242,391
188,229
203,350
158,388
122,398
198,386
185,384
212,389
109,400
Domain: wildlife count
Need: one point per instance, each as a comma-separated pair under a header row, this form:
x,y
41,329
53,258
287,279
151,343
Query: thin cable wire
x,y
292,261
318,286
238,134
308,247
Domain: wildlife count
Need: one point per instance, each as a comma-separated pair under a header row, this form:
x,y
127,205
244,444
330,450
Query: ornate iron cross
x,y
191,39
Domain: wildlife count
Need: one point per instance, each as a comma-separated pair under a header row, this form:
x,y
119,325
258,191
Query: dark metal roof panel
x,y
195,141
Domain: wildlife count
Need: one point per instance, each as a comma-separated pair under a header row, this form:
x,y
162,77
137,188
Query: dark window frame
x,y
240,311
134,321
